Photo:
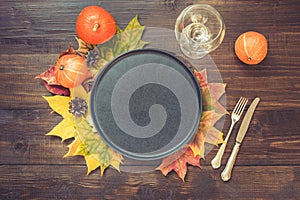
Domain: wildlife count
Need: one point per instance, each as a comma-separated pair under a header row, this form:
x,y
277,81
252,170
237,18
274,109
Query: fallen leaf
x,y
57,89
212,111
83,47
206,132
179,165
52,84
66,128
125,40
96,147
86,142
76,148
70,50
48,76
59,104
211,93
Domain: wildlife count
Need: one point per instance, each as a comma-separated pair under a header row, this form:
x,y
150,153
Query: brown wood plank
x,y
61,182
19,88
23,137
32,35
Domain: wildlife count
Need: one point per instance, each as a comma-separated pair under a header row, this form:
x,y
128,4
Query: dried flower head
x,y
78,107
92,58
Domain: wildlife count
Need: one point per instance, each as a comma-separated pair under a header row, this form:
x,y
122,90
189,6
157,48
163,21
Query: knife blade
x,y
226,174
246,121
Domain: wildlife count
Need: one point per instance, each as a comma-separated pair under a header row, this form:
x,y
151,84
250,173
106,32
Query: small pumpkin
x,y
71,70
251,47
95,25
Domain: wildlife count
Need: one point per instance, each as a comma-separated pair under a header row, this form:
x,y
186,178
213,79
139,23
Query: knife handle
x,y
226,174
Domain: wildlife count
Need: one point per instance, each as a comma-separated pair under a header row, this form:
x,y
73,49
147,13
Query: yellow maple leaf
x,y
92,163
66,128
87,142
75,148
60,104
103,155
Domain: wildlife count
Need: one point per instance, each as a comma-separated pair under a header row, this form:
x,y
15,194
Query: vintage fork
x,y
235,116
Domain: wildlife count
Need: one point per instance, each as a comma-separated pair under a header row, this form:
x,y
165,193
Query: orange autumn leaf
x,y
201,77
180,164
206,132
211,93
212,111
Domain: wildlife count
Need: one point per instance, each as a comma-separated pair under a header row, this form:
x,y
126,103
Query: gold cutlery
x,y
226,174
235,116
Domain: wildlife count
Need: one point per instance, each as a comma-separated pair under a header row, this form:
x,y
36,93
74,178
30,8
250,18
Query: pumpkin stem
x,y
96,26
61,67
249,58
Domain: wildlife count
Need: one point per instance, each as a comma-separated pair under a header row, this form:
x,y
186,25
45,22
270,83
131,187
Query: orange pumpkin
x,y
71,70
251,47
95,25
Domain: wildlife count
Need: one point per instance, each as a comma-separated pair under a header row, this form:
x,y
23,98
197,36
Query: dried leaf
x,y
92,163
201,77
52,84
97,147
83,48
125,40
57,89
216,90
180,164
206,132
75,148
211,93
66,128
59,104
48,76
214,136
70,50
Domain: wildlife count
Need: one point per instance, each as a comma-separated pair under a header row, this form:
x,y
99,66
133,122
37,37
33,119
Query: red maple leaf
x,y
179,164
52,84
212,111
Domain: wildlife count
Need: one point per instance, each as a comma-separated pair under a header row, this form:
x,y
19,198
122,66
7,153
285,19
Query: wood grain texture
x,y
32,35
54,182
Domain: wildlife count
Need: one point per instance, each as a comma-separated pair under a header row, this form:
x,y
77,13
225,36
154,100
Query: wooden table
x,y
33,33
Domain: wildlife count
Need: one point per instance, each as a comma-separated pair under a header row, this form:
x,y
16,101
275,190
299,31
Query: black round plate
x,y
146,104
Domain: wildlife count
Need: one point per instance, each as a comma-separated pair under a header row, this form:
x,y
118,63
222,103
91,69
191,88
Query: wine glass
x,y
199,30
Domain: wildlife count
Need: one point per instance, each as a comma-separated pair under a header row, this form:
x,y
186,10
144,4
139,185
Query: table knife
x,y
226,174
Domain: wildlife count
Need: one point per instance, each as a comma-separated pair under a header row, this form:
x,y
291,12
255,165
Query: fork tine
x,y
242,106
237,105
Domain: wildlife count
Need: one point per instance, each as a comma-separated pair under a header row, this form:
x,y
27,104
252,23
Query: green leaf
x,y
125,40
96,147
